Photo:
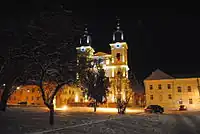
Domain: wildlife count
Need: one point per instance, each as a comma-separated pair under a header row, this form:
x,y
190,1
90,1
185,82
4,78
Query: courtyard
x,y
33,120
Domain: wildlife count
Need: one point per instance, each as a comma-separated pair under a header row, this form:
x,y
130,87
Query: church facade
x,y
115,65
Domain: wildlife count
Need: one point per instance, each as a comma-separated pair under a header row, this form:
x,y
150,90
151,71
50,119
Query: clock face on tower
x,y
83,49
118,45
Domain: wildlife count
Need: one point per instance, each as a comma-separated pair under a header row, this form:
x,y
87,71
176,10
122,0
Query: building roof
x,y
158,75
101,54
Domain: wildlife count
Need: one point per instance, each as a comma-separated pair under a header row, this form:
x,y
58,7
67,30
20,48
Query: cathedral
x,y
115,63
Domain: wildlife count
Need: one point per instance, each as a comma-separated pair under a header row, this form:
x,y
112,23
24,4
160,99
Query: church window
x,y
169,86
151,87
118,56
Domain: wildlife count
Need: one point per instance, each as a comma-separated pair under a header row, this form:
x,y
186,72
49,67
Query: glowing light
x,y
18,88
76,98
4,84
54,102
112,60
28,90
125,66
113,73
113,98
64,108
124,74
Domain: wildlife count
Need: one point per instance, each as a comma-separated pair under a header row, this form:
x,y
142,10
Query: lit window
x,y
189,89
26,97
151,87
32,98
169,86
14,97
169,96
151,97
159,86
33,90
179,89
190,101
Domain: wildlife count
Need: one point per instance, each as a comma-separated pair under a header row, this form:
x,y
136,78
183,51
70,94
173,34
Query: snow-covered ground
x,y
35,121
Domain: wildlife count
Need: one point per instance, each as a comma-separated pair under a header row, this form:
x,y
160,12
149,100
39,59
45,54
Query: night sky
x,y
157,38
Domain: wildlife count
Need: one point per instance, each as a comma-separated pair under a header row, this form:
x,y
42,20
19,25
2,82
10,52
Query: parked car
x,y
154,109
182,108
23,103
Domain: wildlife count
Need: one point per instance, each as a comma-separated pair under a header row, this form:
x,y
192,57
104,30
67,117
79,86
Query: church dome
x,y
118,35
85,39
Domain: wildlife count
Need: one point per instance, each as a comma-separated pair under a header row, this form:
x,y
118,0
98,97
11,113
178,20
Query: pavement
x,y
35,121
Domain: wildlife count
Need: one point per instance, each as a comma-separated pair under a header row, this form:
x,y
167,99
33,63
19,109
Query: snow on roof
x,y
158,74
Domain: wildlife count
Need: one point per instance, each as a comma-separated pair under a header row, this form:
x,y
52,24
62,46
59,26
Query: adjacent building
x,y
171,92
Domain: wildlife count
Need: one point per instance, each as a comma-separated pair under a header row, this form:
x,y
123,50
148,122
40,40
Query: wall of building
x,y
171,93
28,93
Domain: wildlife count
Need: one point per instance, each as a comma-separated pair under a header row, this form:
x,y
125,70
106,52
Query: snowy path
x,y
141,124
17,121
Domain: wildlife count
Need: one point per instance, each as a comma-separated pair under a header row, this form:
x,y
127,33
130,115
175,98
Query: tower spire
x,y
85,39
118,23
118,35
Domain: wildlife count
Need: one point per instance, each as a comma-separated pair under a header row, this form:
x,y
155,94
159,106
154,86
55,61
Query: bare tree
x,y
11,72
49,72
54,63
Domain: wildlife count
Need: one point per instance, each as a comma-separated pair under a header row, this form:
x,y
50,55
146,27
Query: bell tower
x,y
85,44
119,50
119,65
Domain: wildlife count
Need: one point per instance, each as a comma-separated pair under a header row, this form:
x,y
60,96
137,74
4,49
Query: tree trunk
x,y
4,99
95,106
51,114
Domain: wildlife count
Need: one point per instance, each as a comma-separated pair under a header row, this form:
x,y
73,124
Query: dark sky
x,y
165,38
